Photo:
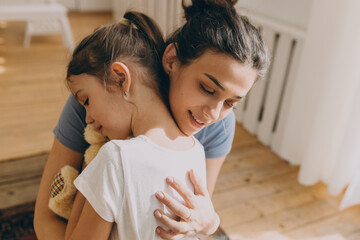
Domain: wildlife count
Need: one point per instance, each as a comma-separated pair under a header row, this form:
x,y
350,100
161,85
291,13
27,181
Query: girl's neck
x,y
153,119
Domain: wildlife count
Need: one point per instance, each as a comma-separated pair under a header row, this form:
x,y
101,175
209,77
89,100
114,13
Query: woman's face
x,y
106,109
206,90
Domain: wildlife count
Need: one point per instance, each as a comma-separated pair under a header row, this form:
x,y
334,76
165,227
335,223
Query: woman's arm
x,y
213,166
46,223
90,226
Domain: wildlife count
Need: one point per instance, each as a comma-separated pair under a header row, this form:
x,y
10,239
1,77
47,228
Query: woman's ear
x,y
123,78
170,59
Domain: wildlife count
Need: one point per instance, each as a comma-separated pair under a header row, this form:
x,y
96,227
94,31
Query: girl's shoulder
x,y
130,141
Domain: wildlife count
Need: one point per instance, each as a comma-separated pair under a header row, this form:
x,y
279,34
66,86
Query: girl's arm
x,y
78,207
95,183
47,224
90,226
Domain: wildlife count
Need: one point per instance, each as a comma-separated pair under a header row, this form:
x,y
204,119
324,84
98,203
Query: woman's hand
x,y
195,217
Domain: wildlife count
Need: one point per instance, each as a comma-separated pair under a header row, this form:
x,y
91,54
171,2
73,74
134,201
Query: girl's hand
x,y
196,217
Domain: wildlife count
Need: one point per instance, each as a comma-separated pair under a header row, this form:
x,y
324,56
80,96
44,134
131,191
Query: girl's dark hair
x,y
137,38
215,25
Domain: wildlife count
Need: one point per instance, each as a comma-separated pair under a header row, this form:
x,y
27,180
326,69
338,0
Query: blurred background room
x,y
294,170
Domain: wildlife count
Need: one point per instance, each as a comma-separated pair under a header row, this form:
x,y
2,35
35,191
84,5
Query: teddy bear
x,y
62,188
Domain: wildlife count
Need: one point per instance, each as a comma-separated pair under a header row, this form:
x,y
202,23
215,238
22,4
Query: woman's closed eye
x,y
230,105
207,90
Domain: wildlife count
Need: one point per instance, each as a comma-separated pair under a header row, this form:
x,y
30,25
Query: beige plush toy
x,y
62,189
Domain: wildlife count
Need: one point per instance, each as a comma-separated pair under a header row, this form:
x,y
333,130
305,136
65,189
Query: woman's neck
x,y
153,119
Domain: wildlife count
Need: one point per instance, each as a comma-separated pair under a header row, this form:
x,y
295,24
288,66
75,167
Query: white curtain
x,y
323,129
351,151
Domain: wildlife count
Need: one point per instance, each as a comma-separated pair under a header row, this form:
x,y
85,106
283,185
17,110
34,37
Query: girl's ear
x,y
123,75
170,59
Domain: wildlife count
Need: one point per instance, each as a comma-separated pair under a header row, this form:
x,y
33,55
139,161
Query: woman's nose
x,y
213,111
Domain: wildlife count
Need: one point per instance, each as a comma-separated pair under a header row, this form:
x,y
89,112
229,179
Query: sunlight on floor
x,y
2,69
3,24
278,236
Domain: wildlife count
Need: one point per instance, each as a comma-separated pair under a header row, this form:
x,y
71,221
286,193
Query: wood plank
x,y
345,223
20,169
267,205
286,220
224,199
238,162
240,178
18,193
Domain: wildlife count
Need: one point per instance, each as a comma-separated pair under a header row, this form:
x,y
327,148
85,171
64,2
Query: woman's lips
x,y
195,121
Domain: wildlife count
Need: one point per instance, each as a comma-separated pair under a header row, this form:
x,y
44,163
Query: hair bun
x,y
199,6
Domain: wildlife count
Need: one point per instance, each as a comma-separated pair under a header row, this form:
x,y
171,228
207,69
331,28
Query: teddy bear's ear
x,y
92,136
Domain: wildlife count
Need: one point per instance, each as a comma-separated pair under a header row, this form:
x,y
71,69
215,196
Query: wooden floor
x,y
32,84
258,197
257,194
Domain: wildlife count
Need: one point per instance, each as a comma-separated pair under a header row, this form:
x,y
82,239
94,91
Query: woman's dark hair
x,y
137,38
215,25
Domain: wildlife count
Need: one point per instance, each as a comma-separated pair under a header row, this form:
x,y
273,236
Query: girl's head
x,y
109,64
213,60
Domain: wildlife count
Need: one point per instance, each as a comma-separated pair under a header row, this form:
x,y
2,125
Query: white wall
x,y
94,5
87,5
295,12
77,5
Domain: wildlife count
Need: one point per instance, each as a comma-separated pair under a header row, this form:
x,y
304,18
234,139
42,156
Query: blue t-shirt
x,y
216,138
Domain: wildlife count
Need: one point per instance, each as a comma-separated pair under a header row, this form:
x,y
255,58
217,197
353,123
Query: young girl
x,y
213,61
113,74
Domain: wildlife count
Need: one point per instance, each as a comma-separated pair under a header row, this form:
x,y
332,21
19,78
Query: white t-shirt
x,y
121,181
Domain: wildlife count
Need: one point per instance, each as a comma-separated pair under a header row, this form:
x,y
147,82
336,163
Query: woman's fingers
x,y
173,225
197,214
199,186
176,207
183,190
168,235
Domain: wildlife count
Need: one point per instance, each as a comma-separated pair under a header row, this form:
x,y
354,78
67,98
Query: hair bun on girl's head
x,y
199,6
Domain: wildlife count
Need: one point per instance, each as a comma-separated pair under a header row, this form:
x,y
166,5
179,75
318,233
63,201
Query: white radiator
x,y
264,111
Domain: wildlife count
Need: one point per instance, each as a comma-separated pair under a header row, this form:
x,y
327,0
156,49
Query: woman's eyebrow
x,y
214,80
